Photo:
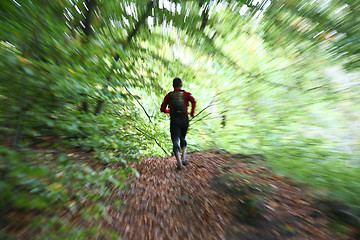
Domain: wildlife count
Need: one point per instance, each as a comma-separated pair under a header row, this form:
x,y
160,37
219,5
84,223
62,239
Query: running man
x,y
178,102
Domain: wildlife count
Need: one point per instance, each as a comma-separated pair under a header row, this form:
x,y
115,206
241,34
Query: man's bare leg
x,y
183,156
178,160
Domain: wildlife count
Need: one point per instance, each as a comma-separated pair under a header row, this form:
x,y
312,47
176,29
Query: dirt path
x,y
211,199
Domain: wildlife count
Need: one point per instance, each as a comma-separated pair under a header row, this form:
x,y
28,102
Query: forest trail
x,y
217,196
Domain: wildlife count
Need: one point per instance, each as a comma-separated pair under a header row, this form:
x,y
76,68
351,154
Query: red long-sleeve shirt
x,y
188,97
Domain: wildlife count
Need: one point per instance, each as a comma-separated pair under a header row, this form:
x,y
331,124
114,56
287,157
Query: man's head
x,y
177,83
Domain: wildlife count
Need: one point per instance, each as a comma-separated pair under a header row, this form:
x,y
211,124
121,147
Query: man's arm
x,y
164,104
193,105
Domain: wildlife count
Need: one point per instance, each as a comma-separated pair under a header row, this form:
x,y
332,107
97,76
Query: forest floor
x,y
217,196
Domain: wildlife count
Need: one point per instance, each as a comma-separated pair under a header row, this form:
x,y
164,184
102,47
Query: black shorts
x,y
178,130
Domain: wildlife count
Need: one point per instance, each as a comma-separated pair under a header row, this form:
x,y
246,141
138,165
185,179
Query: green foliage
x,y
47,227
311,161
271,77
56,184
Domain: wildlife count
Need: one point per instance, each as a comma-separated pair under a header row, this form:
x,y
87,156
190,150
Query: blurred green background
x,y
277,78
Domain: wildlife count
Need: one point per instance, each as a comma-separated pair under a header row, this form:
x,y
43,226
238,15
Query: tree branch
x,y
156,141
201,118
209,105
139,104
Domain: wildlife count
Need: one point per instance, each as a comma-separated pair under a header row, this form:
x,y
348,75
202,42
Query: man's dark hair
x,y
177,83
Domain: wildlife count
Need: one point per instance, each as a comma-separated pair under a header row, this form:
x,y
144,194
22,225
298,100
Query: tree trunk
x,y
205,16
141,21
100,103
88,17
99,107
85,107
90,4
